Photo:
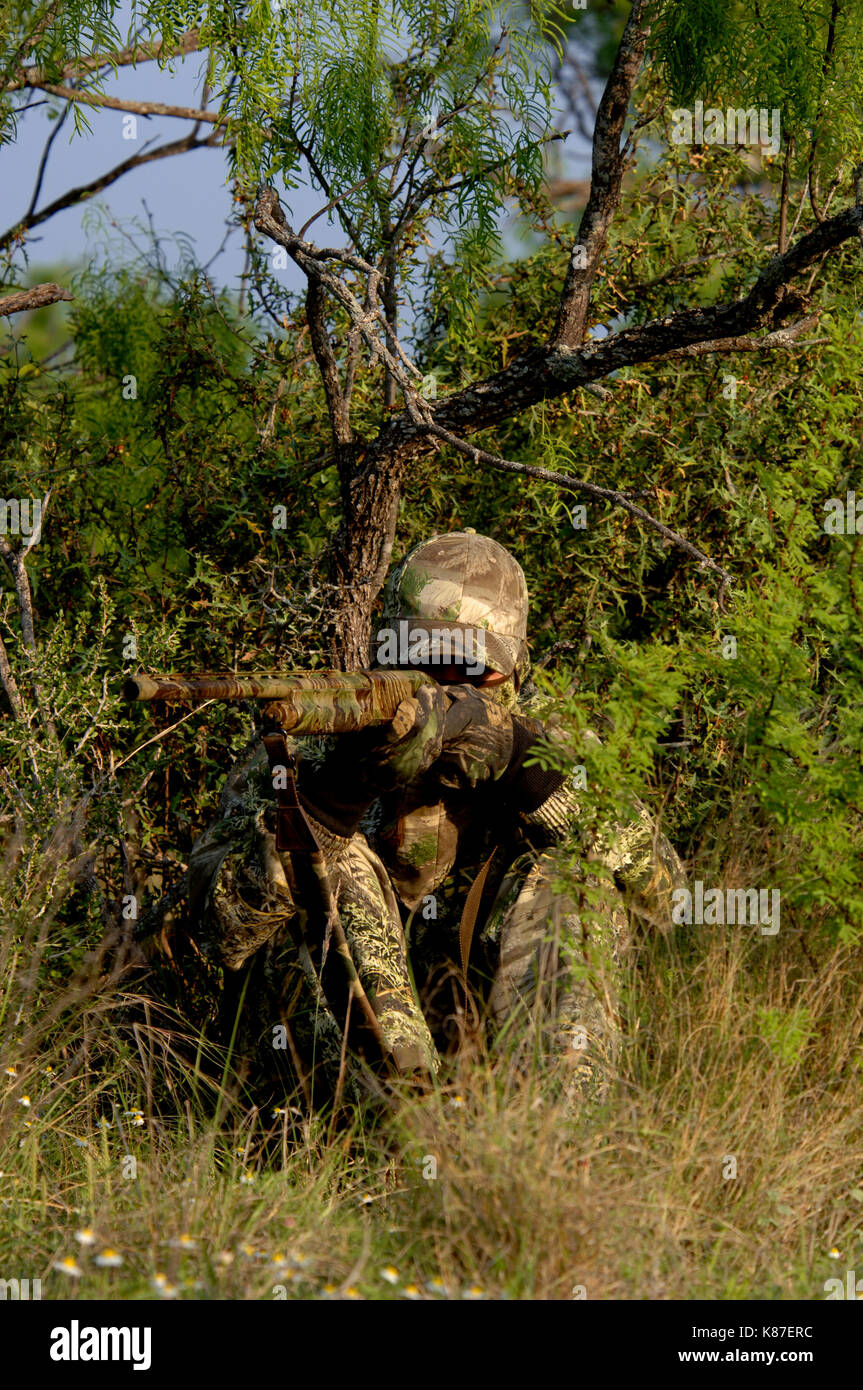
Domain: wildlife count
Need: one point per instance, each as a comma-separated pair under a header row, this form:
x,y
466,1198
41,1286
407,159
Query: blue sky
x,y
185,194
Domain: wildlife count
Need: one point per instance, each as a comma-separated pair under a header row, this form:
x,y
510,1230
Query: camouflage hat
x,y
468,585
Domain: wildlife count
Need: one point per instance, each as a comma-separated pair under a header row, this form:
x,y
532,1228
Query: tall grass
x,y
742,1055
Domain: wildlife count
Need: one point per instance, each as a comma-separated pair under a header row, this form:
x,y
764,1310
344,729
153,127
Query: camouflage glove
x,y
364,766
484,742
458,733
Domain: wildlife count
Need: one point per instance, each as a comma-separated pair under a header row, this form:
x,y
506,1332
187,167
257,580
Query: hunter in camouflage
x,y
407,824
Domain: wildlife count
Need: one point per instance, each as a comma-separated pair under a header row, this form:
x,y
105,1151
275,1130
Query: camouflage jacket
x,y
475,788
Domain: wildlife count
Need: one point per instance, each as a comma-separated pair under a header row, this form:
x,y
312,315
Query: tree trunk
x,y
361,555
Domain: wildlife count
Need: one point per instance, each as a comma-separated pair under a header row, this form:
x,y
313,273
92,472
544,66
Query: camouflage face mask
x,y
505,695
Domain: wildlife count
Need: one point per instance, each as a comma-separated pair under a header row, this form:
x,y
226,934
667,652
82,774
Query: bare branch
x,y
15,561
9,683
271,221
325,358
36,298
89,190
141,108
43,162
781,338
36,531
609,161
617,499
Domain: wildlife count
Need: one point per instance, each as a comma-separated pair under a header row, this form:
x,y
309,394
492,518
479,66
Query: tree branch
x,y
124,57
29,40
36,298
7,678
781,338
783,200
548,372
825,68
325,358
89,190
15,559
140,108
271,221
608,165
617,499
43,162
18,570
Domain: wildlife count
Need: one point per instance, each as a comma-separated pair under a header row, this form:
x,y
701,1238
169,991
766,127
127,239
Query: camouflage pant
x,y
556,980
551,958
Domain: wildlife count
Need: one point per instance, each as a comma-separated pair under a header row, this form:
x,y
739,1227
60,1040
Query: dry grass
x,y
496,1186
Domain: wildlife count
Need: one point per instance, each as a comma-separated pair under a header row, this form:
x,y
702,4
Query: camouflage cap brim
x,y
410,641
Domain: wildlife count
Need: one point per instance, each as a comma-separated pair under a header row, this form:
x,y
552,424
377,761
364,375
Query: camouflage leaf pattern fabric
x,y
462,580
556,981
546,963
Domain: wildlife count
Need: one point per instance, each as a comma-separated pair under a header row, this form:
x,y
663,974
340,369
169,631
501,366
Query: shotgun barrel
x,y
301,702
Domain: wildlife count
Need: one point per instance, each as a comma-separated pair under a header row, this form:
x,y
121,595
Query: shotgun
x,y
299,702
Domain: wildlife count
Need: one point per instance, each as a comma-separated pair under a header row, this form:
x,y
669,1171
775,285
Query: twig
x,y
58,126
618,499
191,715
140,108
